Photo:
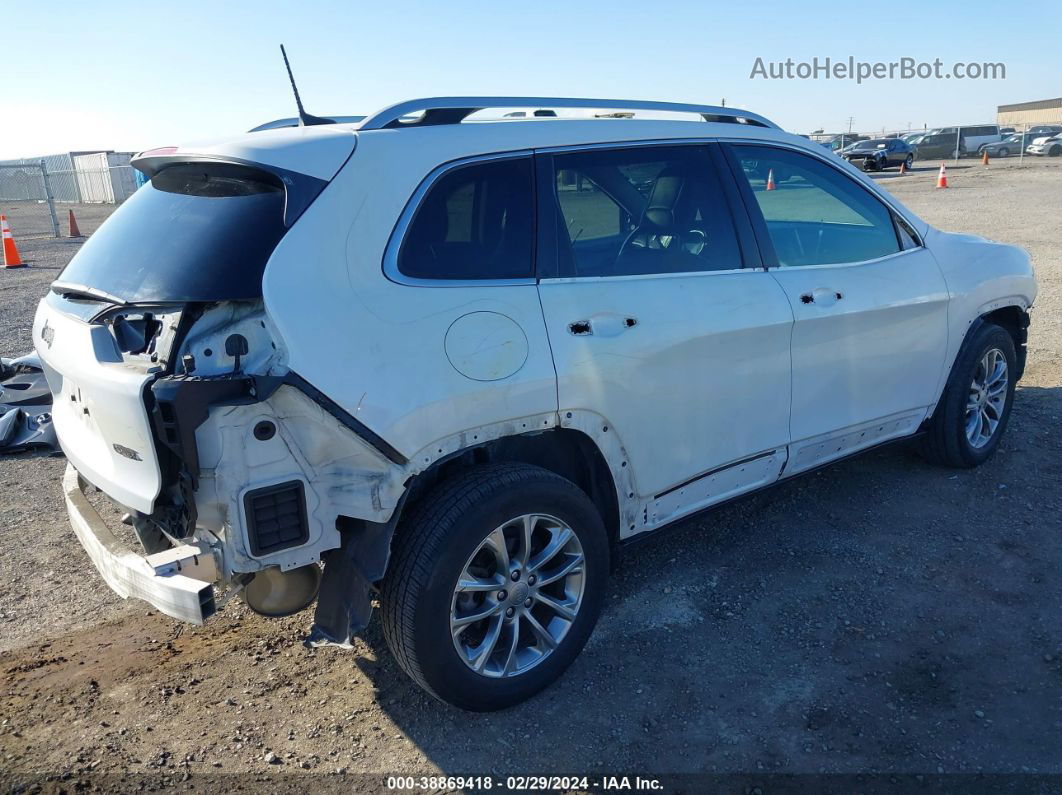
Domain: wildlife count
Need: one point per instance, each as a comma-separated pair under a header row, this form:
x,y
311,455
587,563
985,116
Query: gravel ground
x,y
31,219
880,615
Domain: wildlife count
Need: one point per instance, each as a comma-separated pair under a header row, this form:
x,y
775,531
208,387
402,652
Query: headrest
x,y
670,203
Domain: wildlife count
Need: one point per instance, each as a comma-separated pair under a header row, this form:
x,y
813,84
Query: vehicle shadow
x,y
881,614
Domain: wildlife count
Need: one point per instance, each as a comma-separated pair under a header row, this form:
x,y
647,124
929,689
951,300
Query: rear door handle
x,y
603,324
821,296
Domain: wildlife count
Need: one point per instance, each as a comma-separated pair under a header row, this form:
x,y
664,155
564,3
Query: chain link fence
x,y
37,199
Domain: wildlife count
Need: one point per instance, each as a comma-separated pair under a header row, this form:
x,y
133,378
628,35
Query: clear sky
x,y
133,75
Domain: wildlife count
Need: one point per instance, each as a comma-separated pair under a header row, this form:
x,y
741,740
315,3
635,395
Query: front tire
x,y
972,414
496,582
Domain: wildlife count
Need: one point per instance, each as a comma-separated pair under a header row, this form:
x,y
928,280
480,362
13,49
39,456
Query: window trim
x,y
548,261
898,222
759,224
405,219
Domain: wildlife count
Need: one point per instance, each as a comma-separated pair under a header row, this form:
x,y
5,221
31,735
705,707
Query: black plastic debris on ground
x,y
25,406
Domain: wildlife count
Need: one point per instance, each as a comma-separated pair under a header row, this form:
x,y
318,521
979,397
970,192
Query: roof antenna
x,y
305,119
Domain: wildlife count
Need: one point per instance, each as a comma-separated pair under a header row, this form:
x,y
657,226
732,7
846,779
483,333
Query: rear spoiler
x,y
319,151
299,189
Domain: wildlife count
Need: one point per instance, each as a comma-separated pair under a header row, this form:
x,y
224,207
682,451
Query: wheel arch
x,y
567,452
1015,320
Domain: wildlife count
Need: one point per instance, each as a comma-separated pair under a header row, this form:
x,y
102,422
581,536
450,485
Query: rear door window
x,y
642,210
194,232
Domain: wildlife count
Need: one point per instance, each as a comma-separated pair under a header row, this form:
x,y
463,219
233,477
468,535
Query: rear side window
x,y
815,214
475,222
194,232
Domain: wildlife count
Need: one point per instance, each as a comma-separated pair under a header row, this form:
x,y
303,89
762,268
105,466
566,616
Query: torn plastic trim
x,y
344,602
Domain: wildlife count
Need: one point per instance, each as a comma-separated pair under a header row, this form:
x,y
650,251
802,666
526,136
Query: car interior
x,y
621,216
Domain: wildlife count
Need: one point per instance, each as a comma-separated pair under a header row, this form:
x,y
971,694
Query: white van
x,y
972,137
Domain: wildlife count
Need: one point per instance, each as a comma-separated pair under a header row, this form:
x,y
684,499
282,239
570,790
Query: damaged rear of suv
x,y
172,395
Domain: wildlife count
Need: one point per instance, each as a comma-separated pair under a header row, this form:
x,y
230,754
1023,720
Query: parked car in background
x,y
1011,145
879,153
1045,129
970,138
934,145
534,341
1052,147
842,142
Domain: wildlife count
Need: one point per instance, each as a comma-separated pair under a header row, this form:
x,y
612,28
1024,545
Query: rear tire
x,y
462,554
972,414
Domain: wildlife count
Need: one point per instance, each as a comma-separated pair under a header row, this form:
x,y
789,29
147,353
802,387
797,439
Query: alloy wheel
x,y
517,595
987,398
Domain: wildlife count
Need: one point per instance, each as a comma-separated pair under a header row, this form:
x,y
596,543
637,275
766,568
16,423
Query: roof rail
x,y
453,110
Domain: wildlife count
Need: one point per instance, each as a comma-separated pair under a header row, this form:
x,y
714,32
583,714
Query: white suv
x,y
460,360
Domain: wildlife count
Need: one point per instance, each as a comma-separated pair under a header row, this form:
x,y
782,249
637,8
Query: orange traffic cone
x,y
11,257
984,157
942,177
903,168
770,179
74,231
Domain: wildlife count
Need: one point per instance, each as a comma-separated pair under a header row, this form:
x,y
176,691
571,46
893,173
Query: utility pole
x,y
850,120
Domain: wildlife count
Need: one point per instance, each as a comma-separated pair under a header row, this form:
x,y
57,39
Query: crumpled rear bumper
x,y
177,582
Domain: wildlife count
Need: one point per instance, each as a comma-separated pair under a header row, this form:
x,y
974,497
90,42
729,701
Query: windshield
x,y
874,144
194,232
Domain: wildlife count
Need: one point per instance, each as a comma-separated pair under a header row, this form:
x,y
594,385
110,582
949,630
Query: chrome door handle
x,y
821,296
